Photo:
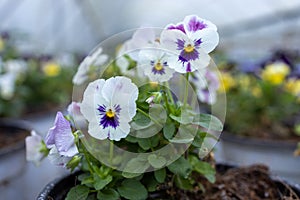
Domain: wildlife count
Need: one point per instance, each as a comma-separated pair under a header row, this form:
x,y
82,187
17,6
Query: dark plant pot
x,y
12,147
278,155
59,188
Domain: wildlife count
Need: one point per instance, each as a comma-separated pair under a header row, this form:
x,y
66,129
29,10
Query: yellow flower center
x,y
51,69
158,66
189,48
110,113
275,73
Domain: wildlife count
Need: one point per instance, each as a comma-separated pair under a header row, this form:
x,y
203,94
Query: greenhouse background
x,y
70,29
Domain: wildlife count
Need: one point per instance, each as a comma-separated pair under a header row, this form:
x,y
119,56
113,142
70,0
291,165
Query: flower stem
x,y
147,115
186,90
169,92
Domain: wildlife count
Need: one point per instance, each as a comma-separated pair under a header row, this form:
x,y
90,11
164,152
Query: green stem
x,y
186,90
87,158
147,115
167,102
169,92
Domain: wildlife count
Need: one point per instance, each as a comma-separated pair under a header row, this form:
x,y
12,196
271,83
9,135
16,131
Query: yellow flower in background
x,y
244,81
2,44
293,86
256,91
275,73
227,81
51,69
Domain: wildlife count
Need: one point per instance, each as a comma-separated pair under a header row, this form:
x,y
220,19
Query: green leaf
x,y
135,167
78,192
186,134
147,143
141,120
160,175
181,167
86,179
100,183
157,161
132,189
186,117
208,121
151,183
169,130
183,183
198,140
203,168
108,194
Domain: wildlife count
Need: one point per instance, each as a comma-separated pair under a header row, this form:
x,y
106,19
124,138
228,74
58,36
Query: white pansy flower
x,y
7,85
154,62
95,59
15,66
109,106
33,146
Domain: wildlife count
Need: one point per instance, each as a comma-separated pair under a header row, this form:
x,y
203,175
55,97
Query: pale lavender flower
x,y
33,146
109,106
191,40
207,83
74,110
61,136
56,158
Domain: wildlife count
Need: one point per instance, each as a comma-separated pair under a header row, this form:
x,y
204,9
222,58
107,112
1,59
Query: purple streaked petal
x,y
60,135
195,24
180,44
107,121
185,56
176,27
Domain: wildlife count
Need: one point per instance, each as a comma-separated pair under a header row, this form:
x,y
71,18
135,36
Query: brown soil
x,y
11,135
245,183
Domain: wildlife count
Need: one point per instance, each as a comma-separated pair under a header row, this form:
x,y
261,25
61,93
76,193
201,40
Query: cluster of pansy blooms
x,y
29,82
116,105
264,95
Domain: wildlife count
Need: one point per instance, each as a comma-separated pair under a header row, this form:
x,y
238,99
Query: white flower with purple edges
x,y
207,83
74,111
96,59
191,40
33,148
61,137
109,105
154,62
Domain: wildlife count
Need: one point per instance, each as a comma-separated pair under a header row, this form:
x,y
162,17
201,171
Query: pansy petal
x,y
193,23
209,39
169,40
178,26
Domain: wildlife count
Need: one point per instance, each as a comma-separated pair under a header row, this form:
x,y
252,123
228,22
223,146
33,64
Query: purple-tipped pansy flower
x,y
61,137
33,148
109,105
191,40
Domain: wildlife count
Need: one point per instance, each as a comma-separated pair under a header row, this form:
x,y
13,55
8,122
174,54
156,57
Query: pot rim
x,y
18,124
246,140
